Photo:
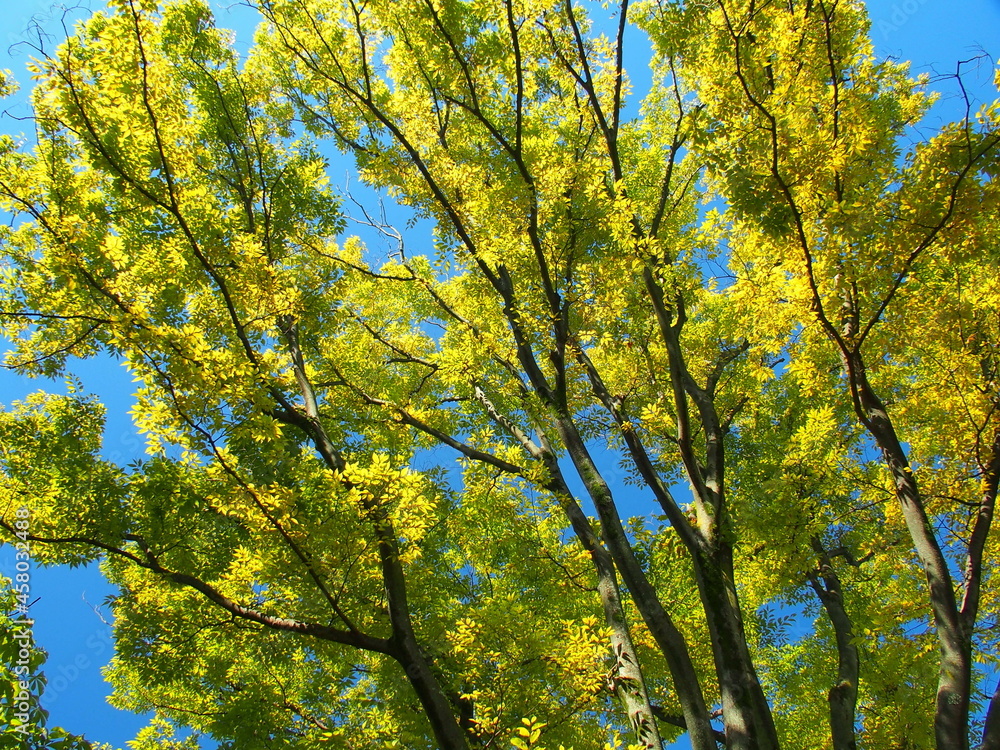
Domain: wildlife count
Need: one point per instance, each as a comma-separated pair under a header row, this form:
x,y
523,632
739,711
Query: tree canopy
x,y
683,418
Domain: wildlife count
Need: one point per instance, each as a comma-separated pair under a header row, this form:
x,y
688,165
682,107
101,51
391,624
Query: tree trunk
x,y
443,716
951,718
843,696
669,639
745,710
627,681
991,731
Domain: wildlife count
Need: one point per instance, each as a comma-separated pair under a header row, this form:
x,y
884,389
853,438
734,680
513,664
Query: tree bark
x,y
843,696
627,681
444,718
668,638
745,710
951,718
991,731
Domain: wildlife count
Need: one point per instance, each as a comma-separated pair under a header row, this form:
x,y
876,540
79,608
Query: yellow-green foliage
x,y
376,485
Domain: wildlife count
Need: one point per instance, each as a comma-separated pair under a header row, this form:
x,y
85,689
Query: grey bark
x,y
843,696
991,730
951,719
444,718
746,712
627,680
668,638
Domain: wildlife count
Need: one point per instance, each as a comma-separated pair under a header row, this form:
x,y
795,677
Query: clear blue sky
x,y
933,34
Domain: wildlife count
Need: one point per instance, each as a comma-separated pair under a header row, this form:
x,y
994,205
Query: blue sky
x,y
70,624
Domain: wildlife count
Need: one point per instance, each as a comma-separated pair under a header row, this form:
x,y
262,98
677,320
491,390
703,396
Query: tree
x,y
301,559
22,681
